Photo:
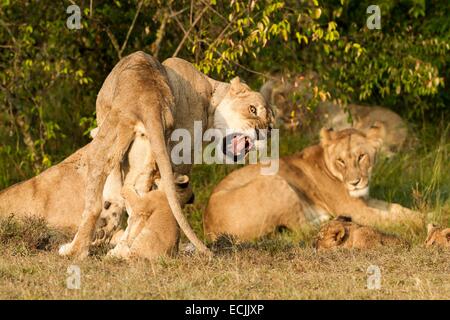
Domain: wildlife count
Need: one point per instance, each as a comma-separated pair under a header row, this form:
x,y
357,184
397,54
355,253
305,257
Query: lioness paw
x,y
120,252
68,250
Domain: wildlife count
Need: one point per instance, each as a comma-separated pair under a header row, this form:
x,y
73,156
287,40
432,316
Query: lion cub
x,y
342,232
437,236
153,230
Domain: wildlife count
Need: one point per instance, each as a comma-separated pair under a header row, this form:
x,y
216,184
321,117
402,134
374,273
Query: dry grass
x,y
254,273
283,266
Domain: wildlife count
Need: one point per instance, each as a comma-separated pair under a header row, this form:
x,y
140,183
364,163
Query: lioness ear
x,y
182,180
376,134
236,81
237,87
325,136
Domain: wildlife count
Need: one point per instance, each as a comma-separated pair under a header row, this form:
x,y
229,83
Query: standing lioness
x,y
324,180
141,95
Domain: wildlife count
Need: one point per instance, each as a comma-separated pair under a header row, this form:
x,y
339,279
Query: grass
x,y
252,273
281,266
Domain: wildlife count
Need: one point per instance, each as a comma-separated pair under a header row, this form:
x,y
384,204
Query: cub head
x,y
244,116
333,234
183,188
437,236
350,154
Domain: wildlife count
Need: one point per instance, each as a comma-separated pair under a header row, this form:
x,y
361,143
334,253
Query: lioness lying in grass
x,y
312,186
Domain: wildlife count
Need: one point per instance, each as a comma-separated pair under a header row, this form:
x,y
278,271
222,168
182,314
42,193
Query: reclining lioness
x,y
323,181
55,195
342,232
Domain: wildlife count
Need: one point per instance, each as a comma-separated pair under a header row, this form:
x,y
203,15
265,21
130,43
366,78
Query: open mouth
x,y
236,146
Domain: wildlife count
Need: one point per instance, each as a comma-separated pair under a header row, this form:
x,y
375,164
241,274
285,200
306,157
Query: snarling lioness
x,y
142,96
323,181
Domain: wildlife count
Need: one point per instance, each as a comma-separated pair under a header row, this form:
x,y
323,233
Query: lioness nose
x,y
355,182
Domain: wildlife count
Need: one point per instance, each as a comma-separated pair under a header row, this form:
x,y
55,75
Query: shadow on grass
x,y
27,235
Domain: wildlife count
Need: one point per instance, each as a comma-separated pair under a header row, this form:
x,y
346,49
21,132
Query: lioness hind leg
x,y
102,158
80,244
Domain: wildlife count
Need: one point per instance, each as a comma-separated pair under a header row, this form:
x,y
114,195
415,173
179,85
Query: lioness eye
x,y
252,110
340,162
361,156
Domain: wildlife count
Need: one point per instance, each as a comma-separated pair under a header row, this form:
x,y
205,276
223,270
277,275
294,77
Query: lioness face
x,y
350,156
437,236
245,116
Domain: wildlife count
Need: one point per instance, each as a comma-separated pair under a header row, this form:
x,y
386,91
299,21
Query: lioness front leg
x,y
378,212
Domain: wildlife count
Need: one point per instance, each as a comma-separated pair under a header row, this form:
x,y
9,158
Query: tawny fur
x,y
438,236
141,94
153,230
55,195
344,233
